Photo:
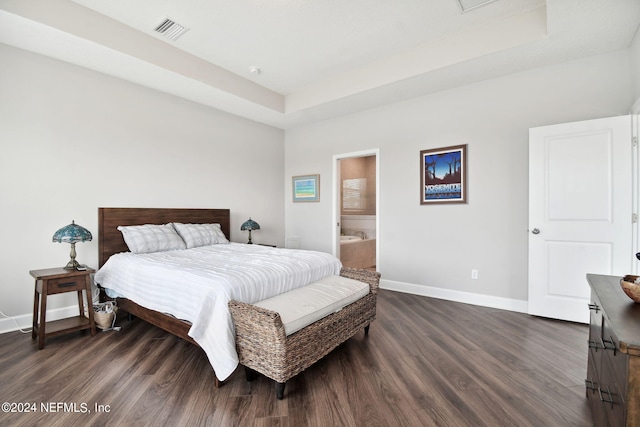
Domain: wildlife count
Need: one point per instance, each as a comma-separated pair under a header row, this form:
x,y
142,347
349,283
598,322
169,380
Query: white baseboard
x,y
457,296
10,324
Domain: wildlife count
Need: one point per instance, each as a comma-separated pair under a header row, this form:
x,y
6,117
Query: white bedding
x,y
196,285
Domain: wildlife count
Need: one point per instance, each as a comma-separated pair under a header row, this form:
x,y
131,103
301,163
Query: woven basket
x,y
103,319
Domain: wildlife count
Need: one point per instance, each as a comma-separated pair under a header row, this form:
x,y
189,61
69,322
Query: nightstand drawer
x,y
66,284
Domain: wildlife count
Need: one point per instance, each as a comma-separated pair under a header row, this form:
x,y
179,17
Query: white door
x,y
580,212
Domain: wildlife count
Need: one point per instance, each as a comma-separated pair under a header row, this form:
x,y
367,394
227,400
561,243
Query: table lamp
x,y
72,233
250,225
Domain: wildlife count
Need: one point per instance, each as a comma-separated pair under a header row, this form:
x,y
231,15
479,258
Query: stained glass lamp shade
x,y
250,225
72,233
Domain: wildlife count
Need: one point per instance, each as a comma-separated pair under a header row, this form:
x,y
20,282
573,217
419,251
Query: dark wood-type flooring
x,y
426,362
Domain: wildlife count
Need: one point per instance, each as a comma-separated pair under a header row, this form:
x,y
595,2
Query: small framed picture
x,y
306,188
443,175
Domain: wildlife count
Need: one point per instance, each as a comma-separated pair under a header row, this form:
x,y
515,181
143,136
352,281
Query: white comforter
x,y
196,285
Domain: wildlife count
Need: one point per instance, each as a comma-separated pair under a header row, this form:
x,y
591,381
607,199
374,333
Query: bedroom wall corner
x,y
74,140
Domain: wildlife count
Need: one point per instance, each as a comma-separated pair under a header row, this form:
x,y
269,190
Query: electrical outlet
x,y
474,274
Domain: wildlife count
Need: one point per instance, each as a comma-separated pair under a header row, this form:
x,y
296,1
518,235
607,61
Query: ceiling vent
x,y
467,5
170,29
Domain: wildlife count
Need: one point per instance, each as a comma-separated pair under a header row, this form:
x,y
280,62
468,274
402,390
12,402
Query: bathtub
x,y
356,252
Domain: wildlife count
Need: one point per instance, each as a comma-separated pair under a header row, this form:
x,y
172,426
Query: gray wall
x,y
73,140
634,52
431,250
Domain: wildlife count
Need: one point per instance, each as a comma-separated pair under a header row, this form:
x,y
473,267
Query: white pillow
x,y
142,239
195,235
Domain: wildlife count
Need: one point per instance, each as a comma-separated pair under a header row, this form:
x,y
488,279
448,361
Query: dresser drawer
x,y
613,388
593,389
613,372
65,284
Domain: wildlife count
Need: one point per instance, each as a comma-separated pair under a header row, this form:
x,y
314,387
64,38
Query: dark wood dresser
x,y
613,370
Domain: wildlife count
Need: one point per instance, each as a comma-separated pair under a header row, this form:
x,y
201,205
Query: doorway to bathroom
x,y
356,209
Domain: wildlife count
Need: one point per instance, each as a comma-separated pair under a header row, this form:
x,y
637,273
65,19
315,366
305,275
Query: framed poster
x,y
443,175
306,188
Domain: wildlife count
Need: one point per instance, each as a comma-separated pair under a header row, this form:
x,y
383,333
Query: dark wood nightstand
x,y
52,281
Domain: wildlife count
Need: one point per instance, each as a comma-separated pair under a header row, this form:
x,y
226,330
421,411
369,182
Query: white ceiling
x,y
318,59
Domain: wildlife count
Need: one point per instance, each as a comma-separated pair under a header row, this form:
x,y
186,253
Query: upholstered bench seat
x,y
282,336
303,306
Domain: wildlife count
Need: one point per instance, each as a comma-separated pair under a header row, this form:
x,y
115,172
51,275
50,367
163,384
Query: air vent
x,y
170,29
467,5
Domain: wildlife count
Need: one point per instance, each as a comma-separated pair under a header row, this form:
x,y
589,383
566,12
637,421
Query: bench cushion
x,y
303,306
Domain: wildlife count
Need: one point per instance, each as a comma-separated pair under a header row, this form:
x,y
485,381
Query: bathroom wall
x,y
364,169
350,225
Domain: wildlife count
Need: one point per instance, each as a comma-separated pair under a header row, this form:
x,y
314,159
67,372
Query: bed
x,y
209,326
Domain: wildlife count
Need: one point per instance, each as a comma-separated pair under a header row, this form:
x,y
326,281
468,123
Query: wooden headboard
x,y
110,240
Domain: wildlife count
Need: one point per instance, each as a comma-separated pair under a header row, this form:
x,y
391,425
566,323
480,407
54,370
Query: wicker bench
x,y
263,346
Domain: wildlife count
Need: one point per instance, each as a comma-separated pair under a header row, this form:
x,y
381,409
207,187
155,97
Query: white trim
x,y
24,321
635,161
358,216
520,306
11,324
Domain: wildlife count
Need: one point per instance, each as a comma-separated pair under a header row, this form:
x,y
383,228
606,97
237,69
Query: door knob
x,y
535,231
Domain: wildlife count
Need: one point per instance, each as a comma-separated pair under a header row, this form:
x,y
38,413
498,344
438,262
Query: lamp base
x,y
249,242
72,264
